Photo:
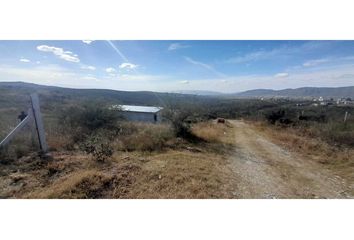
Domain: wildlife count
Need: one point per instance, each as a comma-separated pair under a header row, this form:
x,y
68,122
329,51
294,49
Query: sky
x,y
169,66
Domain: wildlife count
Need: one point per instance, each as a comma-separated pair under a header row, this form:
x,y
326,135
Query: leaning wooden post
x,y
39,123
345,116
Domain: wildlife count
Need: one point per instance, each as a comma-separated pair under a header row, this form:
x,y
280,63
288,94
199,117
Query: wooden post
x,y
8,138
39,123
345,116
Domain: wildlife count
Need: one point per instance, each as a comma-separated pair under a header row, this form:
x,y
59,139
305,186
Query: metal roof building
x,y
140,113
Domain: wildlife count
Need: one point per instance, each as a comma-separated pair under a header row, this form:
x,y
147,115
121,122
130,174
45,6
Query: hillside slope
x,y
300,92
18,93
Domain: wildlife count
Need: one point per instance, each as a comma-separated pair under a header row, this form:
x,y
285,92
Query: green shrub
x,y
90,117
88,120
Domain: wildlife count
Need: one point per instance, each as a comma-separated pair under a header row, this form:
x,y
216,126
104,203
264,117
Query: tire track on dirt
x,y
265,170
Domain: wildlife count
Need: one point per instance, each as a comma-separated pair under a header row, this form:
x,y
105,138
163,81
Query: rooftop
x,y
133,108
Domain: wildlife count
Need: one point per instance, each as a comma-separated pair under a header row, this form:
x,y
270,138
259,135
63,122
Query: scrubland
x,y
97,154
123,160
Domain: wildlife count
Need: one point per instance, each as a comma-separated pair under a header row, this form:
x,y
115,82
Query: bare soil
x,y
263,169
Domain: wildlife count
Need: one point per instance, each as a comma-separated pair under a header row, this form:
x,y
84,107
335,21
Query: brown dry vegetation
x,y
338,159
212,131
147,164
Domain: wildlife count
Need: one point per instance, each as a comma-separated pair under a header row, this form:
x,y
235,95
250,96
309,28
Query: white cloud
x,y
333,77
48,74
56,75
315,62
110,70
128,66
59,52
87,41
175,46
204,65
25,60
90,78
88,67
283,52
281,75
184,82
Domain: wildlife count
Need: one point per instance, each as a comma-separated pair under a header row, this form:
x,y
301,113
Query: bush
x,y
180,120
91,117
275,116
100,148
89,120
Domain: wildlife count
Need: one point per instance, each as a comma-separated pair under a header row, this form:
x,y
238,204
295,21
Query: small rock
x,y
192,149
143,159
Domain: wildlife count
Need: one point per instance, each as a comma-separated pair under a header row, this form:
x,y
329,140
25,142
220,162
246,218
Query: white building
x,y
140,113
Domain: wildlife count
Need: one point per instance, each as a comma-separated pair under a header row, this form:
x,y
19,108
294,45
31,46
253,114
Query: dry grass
x,y
183,174
174,174
138,168
213,132
59,141
338,159
143,137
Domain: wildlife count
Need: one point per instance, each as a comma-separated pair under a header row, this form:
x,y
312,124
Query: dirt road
x,y
265,170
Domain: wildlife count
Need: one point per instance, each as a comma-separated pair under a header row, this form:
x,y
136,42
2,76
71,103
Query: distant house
x,y
140,113
345,101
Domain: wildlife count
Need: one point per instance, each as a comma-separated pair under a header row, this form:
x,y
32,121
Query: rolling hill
x,y
11,90
300,92
18,92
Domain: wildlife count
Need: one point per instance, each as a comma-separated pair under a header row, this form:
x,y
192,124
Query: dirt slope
x,y
265,170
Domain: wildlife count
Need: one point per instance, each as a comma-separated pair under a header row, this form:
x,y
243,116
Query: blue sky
x,y
224,66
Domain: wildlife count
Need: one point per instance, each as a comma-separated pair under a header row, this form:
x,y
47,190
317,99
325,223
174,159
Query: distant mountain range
x,y
325,92
18,92
292,93
146,97
199,92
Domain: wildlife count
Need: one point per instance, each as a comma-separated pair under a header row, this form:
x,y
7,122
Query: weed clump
x,y
99,148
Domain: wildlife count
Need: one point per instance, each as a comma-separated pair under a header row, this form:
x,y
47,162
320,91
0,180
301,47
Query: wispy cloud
x,y
56,75
334,77
86,67
281,75
59,52
53,74
25,60
283,52
111,70
175,46
329,61
184,82
128,66
88,42
90,78
315,62
204,65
